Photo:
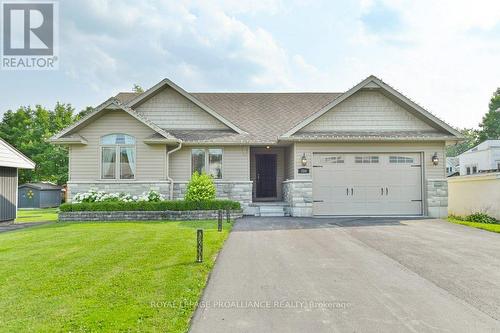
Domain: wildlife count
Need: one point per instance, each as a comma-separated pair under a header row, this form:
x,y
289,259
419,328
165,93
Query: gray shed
x,y
10,160
39,195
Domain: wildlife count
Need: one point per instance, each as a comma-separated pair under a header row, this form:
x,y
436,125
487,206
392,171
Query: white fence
x,y
474,193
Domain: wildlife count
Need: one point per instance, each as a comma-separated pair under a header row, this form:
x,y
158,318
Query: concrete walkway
x,y
353,275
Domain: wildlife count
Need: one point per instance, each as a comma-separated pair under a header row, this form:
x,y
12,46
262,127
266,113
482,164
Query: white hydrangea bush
x,y
102,196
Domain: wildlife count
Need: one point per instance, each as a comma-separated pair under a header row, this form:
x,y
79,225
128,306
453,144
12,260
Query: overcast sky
x,y
445,55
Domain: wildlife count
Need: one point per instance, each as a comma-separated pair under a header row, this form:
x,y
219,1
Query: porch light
x,y
304,160
267,147
435,159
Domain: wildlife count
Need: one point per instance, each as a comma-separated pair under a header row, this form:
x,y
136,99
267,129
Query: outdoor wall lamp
x,y
304,160
435,159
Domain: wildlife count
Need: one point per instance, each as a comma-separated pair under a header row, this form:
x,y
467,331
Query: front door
x,y
265,167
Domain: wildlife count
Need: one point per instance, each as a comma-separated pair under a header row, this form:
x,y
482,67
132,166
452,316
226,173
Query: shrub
x,y
101,196
200,188
481,218
175,205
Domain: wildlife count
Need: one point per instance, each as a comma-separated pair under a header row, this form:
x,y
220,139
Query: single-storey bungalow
x,y
367,151
10,161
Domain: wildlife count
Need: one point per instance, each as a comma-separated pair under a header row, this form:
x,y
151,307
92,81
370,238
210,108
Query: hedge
x,y
174,205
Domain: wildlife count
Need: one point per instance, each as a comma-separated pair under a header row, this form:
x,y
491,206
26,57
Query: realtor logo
x,y
29,31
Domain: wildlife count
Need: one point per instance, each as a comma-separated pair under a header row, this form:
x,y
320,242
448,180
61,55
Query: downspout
x,y
171,188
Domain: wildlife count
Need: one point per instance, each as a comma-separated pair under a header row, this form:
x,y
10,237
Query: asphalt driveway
x,y
353,275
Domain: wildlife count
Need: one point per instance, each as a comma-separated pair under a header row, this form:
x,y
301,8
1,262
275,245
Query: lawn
x,y
36,215
485,226
113,276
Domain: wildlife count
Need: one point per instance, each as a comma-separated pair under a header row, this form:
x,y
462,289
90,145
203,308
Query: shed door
x,y
367,184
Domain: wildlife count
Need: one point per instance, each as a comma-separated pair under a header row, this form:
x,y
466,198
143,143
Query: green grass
x,y
36,215
106,277
485,226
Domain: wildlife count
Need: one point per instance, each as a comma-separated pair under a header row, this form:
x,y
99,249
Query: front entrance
x,y
265,167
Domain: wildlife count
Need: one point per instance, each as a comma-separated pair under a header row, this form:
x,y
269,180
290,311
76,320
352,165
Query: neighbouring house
x,y
484,157
452,166
10,161
367,151
39,195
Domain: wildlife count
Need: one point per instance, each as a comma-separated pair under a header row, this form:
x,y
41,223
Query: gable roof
x,y
267,118
374,82
12,158
63,136
263,116
166,82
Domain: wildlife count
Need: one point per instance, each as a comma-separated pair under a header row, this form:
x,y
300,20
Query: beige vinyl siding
x,y
289,162
235,163
280,167
430,171
169,109
85,159
367,111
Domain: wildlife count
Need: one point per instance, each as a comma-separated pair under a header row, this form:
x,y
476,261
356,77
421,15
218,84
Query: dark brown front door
x,y
265,166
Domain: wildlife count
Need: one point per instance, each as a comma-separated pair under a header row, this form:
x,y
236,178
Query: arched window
x,y
118,156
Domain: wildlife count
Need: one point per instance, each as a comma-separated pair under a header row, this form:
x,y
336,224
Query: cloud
x,y
443,54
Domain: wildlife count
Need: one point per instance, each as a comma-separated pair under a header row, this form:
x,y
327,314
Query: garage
x,y
10,161
367,184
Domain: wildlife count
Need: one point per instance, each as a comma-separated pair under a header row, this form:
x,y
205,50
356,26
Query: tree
x,y
84,112
28,129
490,126
137,88
471,136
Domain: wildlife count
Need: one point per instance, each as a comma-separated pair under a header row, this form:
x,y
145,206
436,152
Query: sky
x,y
444,55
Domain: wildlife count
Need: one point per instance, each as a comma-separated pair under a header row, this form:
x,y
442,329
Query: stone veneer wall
x,y
437,197
298,195
233,190
145,216
134,188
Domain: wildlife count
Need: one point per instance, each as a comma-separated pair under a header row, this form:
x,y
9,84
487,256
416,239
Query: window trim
x,y
117,148
206,162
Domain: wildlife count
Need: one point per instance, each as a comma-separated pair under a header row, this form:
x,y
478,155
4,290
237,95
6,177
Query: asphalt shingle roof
x,y
264,116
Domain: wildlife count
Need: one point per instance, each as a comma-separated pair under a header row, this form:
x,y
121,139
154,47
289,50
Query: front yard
x,y
114,276
485,226
37,215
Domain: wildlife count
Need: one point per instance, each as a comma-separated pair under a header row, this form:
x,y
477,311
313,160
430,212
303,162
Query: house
x,y
367,151
482,158
10,161
452,166
39,195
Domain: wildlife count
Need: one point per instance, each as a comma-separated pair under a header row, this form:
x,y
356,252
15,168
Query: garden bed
x,y
145,215
143,211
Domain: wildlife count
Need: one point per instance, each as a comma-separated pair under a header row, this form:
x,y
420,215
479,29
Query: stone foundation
x,y
298,195
231,190
437,198
145,216
240,191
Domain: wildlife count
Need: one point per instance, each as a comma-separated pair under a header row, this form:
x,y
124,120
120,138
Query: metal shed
x,y
39,195
10,161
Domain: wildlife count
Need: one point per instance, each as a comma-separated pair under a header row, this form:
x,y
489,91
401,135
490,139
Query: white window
x,y
366,159
207,160
401,160
118,157
467,170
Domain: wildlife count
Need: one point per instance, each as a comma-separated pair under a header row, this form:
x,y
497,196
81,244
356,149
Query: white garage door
x,y
367,184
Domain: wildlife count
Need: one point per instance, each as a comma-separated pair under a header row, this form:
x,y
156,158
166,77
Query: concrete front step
x,y
270,208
